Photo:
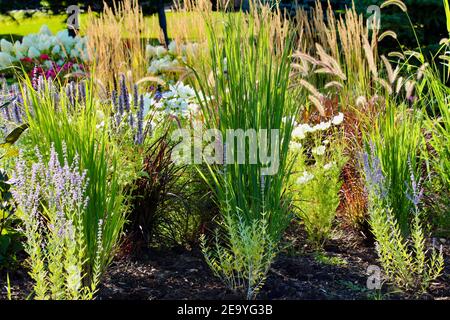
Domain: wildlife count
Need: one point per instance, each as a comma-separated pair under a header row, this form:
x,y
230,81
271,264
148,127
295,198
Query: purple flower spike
x,y
140,122
62,188
375,180
124,93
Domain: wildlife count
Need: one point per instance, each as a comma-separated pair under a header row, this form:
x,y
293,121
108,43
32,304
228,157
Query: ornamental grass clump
x,y
116,41
435,97
329,42
51,201
396,138
55,119
248,90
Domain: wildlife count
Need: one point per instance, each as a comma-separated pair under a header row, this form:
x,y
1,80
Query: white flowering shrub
x,y
318,159
143,113
180,101
50,54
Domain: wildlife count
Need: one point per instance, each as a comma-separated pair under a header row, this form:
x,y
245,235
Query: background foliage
x,y
59,6
427,16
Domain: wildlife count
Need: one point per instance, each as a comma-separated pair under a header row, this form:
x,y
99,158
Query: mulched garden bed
x,y
298,273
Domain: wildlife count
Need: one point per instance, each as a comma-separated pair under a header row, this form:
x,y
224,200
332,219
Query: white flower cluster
x,y
305,178
295,145
329,165
301,130
320,150
32,46
162,65
299,133
163,60
179,101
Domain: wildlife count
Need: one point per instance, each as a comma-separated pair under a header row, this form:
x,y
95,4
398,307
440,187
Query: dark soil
x,y
296,274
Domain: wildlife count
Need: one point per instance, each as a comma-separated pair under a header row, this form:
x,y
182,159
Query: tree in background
x,y
427,17
8,5
60,6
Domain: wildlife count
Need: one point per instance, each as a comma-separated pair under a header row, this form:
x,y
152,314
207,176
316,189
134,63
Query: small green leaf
x,y
7,103
15,135
144,174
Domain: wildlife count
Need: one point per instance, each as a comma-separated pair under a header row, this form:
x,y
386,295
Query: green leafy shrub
x,y
317,167
244,260
404,259
10,237
51,202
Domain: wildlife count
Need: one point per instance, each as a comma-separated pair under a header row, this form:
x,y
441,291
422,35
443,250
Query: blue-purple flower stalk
x,y
375,180
60,188
34,78
416,191
124,93
139,139
12,97
135,97
133,116
15,110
